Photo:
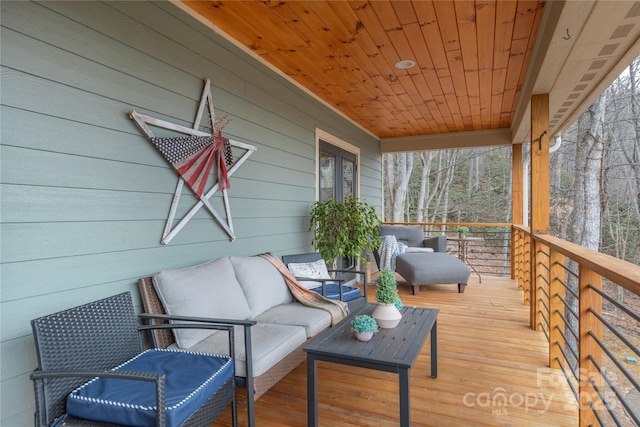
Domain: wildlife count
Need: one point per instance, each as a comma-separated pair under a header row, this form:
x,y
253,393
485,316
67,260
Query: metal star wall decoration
x,y
194,157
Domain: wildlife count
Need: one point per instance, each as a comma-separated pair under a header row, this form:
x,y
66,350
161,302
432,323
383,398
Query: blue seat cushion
x,y
190,379
332,291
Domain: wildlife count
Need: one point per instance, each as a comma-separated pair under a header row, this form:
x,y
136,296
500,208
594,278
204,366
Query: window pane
x,y
327,176
348,178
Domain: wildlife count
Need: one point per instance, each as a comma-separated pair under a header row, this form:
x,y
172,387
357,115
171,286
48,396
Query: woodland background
x,y
595,178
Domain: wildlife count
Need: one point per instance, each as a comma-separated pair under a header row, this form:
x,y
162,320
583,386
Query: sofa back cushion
x,y
263,285
205,290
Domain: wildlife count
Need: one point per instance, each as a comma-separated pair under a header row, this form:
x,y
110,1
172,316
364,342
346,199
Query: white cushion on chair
x,y
311,270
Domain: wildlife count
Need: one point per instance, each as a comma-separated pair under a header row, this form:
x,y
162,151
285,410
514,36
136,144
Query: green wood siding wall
x,y
84,196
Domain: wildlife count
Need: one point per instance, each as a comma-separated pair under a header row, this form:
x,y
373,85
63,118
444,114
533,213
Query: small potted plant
x,y
364,326
387,313
462,231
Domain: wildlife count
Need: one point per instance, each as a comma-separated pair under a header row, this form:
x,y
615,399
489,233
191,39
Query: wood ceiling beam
x,y
550,31
445,141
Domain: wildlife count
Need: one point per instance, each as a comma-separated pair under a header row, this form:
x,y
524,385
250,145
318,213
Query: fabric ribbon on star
x,y
194,157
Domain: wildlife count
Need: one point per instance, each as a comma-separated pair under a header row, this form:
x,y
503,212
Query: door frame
x,y
340,143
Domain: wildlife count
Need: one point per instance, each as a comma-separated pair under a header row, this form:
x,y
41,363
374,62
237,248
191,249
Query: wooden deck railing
x,y
588,306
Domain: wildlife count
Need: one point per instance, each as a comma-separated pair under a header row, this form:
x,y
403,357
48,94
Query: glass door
x,y
337,180
337,173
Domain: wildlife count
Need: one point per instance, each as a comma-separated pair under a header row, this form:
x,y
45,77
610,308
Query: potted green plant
x,y
387,313
462,231
364,326
344,229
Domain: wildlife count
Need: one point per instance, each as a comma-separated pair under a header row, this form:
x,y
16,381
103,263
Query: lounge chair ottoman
x,y
431,269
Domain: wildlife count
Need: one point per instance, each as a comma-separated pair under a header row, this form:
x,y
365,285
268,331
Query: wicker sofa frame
x,y
87,341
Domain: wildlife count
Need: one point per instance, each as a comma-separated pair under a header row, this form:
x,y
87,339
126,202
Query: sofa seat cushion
x,y
205,290
313,320
131,402
270,344
263,285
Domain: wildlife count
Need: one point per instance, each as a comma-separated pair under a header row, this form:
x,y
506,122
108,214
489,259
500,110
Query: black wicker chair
x,y
88,341
332,288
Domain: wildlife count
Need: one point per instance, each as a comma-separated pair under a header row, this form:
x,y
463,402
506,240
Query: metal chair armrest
x,y
158,379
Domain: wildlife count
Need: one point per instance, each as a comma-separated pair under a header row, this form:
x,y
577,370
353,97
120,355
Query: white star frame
x,y
170,231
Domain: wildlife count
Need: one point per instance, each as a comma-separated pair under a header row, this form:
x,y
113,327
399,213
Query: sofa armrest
x,y
208,322
438,243
316,279
188,322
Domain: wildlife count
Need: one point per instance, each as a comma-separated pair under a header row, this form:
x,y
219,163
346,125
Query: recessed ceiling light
x,y
405,63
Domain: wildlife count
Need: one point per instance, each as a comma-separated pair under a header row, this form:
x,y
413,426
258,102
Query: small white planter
x,y
387,315
364,336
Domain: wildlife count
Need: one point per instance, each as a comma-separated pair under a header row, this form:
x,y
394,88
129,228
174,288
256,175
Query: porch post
x,y
539,206
516,199
589,351
558,276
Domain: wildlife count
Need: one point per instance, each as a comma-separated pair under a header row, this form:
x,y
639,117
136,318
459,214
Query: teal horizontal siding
x,y
84,195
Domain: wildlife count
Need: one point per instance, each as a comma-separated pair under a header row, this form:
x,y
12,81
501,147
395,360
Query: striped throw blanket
x,y
337,309
389,249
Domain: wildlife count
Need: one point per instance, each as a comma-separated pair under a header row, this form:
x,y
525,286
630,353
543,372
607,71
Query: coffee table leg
x,y
312,392
434,350
405,405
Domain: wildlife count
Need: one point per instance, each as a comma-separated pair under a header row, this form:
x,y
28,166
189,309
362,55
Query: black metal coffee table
x,y
390,350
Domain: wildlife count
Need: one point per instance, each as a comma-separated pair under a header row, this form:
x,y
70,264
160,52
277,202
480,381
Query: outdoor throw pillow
x,y
310,270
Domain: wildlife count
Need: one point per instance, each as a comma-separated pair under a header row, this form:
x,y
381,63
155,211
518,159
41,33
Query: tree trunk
x,y
450,160
586,224
586,221
399,167
633,155
425,196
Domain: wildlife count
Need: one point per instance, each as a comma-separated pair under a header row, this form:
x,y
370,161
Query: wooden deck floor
x,y
492,370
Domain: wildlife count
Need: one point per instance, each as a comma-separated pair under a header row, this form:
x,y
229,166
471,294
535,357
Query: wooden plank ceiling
x,y
471,57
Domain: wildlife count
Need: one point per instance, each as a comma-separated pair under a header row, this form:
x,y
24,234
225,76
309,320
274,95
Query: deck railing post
x,y
539,282
519,258
557,275
516,255
528,271
543,285
588,347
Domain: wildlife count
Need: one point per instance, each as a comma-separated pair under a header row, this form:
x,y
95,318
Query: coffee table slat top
x,y
397,347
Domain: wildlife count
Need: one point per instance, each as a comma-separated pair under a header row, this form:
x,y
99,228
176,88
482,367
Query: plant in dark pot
x,y
364,326
387,313
344,229
462,231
